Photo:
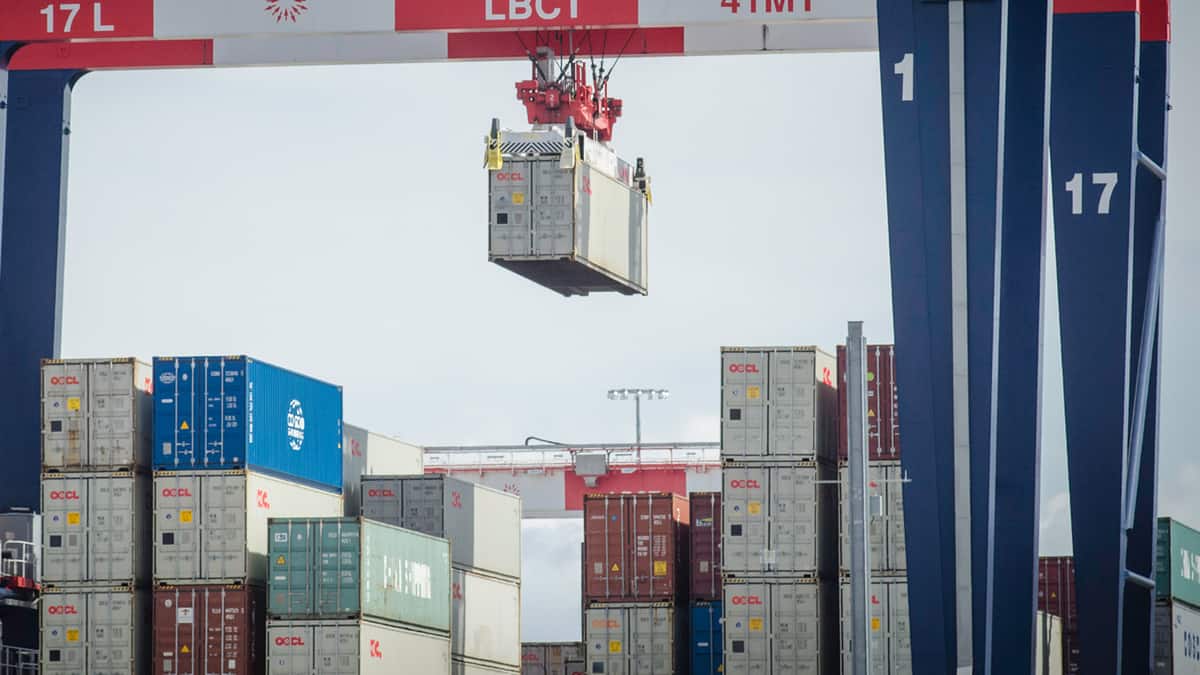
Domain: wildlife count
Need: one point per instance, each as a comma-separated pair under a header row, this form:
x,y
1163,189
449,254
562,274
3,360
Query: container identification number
x,y
764,6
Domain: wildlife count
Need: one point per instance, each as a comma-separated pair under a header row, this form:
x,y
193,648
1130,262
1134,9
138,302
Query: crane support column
x,y
34,126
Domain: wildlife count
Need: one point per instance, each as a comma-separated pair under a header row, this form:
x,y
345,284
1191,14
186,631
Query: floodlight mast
x,y
637,395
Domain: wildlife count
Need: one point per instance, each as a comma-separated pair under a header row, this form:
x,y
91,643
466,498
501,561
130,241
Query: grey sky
x,y
333,220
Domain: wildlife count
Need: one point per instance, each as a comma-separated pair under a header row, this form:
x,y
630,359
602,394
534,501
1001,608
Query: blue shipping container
x,y
234,412
706,643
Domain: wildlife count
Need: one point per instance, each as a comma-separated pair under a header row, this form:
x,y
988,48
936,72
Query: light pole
x,y
637,395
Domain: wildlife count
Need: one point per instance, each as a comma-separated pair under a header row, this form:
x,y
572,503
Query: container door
x,y
223,538
337,649
574,667
652,646
744,394
177,518
606,550
897,543
607,640
64,537
290,650
64,415
511,225
115,544
793,526
877,526
289,557
381,500
706,640
112,620
425,505
64,633
655,535
792,423
554,208
900,631
747,645
533,659
338,575
706,546
795,628
744,516
112,400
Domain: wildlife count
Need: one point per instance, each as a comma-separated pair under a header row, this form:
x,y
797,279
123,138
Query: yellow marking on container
x,y
73,403
518,198
280,561
185,650
184,426
73,518
660,568
756,624
755,508
614,647
616,567
185,516
72,635
875,623
870,413
753,393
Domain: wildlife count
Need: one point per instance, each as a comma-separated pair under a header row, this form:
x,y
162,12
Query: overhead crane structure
x,y
970,111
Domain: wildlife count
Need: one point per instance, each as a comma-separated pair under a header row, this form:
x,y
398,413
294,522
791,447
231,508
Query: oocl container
x,y
368,453
888,623
235,412
1178,562
342,568
635,547
96,414
486,622
1176,639
98,632
779,626
210,630
95,528
706,644
482,524
553,658
211,526
883,411
889,547
778,519
462,667
705,535
353,648
778,404
642,638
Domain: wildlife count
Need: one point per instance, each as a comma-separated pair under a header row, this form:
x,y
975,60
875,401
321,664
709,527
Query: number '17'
x,y
71,10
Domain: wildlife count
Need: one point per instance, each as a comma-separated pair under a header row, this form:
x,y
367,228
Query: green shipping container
x,y
327,568
1178,563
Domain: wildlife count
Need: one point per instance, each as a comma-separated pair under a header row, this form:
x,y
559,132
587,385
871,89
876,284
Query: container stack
x,y
236,442
706,644
779,529
635,583
553,658
1177,616
483,527
351,596
96,430
366,453
1056,596
891,636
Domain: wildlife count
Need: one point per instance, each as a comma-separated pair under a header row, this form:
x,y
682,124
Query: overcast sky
x,y
333,220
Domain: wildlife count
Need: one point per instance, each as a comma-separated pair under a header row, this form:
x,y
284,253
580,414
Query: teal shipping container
x,y
1178,564
339,568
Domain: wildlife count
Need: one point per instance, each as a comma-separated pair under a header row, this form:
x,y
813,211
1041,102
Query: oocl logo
x,y
58,610
744,484
64,495
510,177
295,425
64,380
456,499
289,641
743,368
456,591
355,448
380,493
176,492
747,600
376,652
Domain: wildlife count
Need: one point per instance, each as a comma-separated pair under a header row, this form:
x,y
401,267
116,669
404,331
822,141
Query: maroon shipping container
x,y
883,417
216,630
635,547
705,546
1056,595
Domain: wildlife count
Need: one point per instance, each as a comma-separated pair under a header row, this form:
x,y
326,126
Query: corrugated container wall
x,y
705,549
553,658
779,519
484,525
780,626
353,648
1048,657
883,411
891,631
778,404
1056,595
97,632
459,666
889,547
641,638
706,644
214,630
211,526
635,547
341,568
1178,562
96,414
95,527
485,621
368,453
234,412
1176,639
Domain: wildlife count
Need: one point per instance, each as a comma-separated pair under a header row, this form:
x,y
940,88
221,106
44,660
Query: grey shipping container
x,y
211,526
96,414
575,230
482,524
20,544
97,632
889,548
329,568
353,648
553,658
779,519
368,453
780,625
778,404
1176,639
635,639
486,620
96,528
891,632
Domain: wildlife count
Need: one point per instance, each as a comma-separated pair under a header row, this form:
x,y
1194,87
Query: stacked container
x,y
779,533
635,583
236,441
1177,616
705,642
553,658
95,535
1056,596
366,453
483,527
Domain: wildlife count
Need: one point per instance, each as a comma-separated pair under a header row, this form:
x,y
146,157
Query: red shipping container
x,y
705,546
883,412
635,547
217,630
1056,595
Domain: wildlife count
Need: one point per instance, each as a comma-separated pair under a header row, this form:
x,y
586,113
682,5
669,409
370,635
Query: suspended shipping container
x,y
883,411
1056,596
483,525
889,548
486,622
553,658
368,453
96,414
778,519
706,645
97,632
778,404
354,648
577,229
235,412
211,526
635,638
705,548
95,528
1178,562
635,547
888,623
208,630
1176,639
780,625
343,568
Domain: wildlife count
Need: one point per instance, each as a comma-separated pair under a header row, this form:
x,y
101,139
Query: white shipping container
x,y
353,648
96,414
485,619
889,550
1048,659
778,404
460,667
96,528
211,526
482,524
368,453
98,632
891,632
777,518
635,639
778,626
1176,639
